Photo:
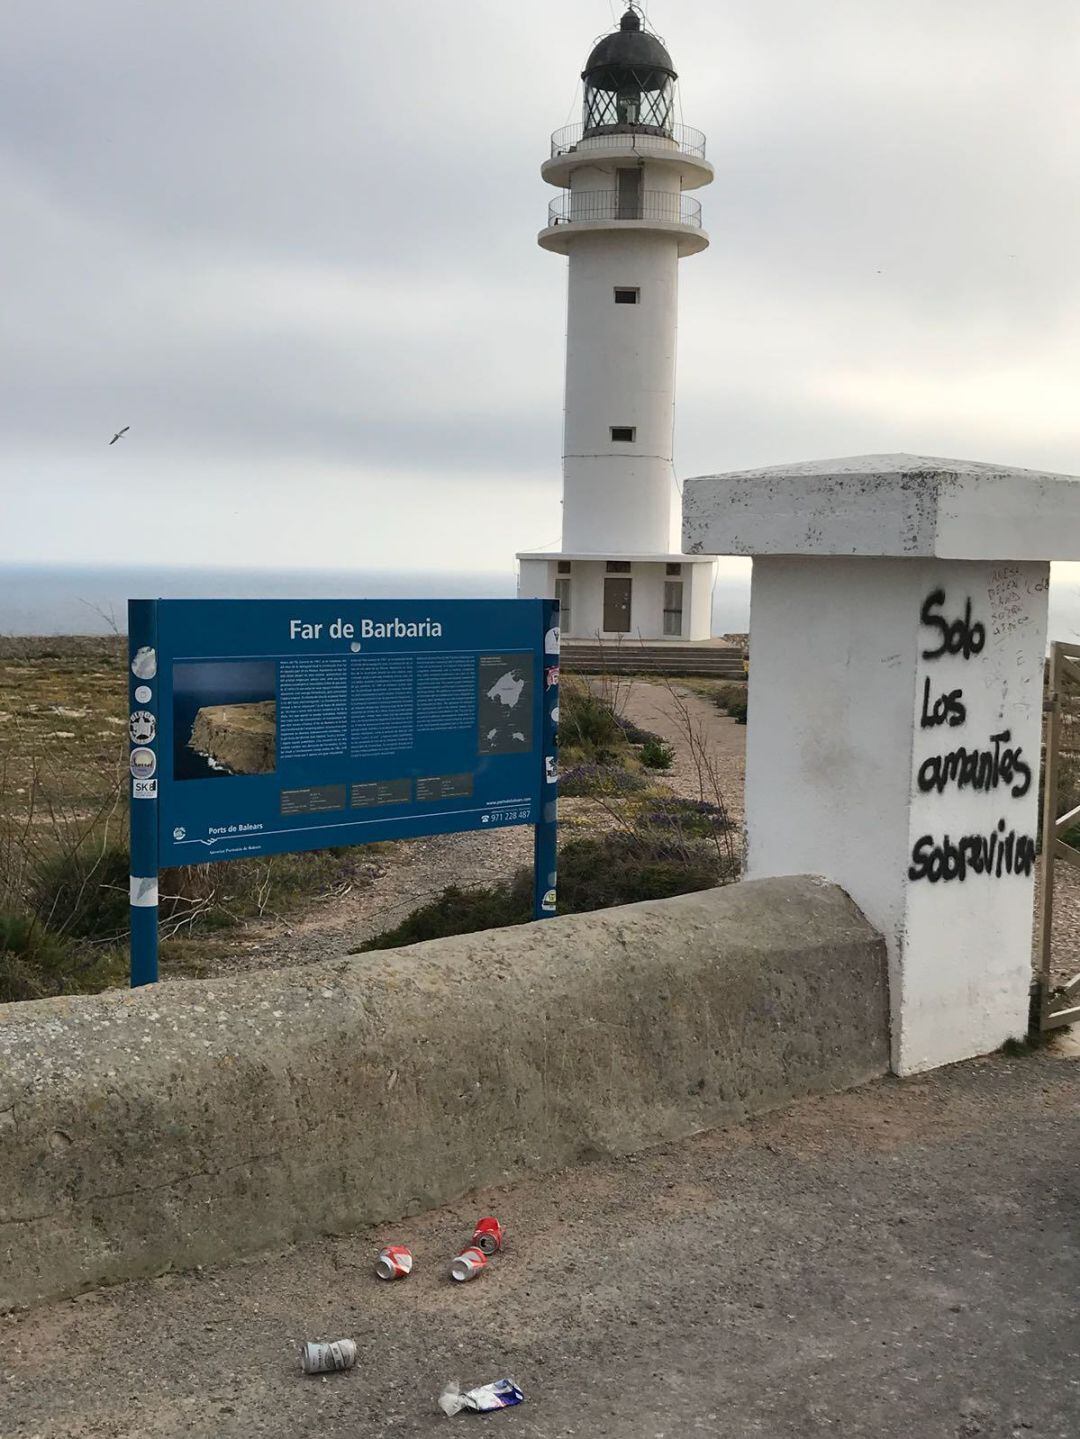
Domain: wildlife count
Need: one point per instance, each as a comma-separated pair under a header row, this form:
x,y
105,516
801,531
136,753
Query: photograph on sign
x,y
224,719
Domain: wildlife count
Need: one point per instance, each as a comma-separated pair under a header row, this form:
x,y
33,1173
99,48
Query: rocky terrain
x,y
240,738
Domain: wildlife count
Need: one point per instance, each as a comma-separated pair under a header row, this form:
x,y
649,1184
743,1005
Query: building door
x,y
617,604
629,206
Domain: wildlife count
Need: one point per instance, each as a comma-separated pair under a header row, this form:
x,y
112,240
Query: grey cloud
x,y
306,234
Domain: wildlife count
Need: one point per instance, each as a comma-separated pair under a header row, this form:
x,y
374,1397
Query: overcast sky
x,y
293,246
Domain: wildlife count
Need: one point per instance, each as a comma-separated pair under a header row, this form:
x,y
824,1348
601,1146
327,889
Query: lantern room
x,y
629,83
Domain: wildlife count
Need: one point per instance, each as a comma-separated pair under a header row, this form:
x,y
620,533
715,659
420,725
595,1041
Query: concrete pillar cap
x,y
895,506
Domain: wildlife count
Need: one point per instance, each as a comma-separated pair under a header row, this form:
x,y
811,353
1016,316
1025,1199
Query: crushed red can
x,y
488,1235
468,1265
395,1262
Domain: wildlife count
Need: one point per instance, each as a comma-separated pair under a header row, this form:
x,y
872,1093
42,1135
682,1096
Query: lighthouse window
x,y
562,594
564,567
618,567
674,569
673,607
626,297
626,433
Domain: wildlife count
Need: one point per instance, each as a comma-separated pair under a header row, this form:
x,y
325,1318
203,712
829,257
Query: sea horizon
x,y
57,599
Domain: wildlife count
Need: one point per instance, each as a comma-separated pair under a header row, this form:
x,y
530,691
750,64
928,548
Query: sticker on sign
x,y
142,727
144,789
143,763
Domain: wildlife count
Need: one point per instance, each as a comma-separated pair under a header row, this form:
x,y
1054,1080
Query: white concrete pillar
x,y
898,631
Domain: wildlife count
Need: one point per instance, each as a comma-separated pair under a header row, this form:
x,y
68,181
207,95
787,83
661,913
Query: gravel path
x,y
393,883
710,748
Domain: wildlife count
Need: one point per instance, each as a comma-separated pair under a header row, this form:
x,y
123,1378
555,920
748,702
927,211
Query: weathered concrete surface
x,y
898,1262
903,506
183,1124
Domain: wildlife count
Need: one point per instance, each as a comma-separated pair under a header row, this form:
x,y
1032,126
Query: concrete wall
x,y
192,1122
701,582
810,748
536,580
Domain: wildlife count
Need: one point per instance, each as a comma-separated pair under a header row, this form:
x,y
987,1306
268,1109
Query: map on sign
x,y
505,709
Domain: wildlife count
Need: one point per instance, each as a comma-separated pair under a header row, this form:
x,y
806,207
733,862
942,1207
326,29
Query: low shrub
x,y
594,873
696,818
732,699
588,725
657,754
82,894
634,734
599,780
38,963
622,868
461,911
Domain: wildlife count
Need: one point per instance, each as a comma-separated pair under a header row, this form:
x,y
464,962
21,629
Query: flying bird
x,y
118,434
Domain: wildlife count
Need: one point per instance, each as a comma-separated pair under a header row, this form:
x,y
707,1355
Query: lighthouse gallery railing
x,y
576,207
680,137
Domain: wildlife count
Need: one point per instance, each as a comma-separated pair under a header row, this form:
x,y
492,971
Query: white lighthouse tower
x,y
625,221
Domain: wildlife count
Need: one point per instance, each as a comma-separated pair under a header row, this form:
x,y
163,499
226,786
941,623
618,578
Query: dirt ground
x,y
899,1262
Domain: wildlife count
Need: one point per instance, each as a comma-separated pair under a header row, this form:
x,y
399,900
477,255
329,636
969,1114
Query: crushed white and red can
x,y
488,1235
395,1262
468,1265
326,1358
489,1397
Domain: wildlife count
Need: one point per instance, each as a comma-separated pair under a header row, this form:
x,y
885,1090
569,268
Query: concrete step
x,y
715,661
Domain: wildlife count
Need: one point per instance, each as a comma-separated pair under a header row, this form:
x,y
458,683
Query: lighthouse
x,y
624,219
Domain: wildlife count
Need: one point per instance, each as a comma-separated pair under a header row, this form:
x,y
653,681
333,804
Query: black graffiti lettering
x,y
920,857
977,769
976,855
961,637
997,854
1021,767
947,709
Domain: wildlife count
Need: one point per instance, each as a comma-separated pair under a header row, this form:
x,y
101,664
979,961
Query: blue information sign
x,y
264,726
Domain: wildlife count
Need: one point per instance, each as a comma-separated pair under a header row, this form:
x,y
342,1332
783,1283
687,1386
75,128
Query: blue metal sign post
x,y
263,727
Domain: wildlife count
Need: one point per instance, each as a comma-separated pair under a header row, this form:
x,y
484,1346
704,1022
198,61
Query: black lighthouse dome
x,y
629,82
